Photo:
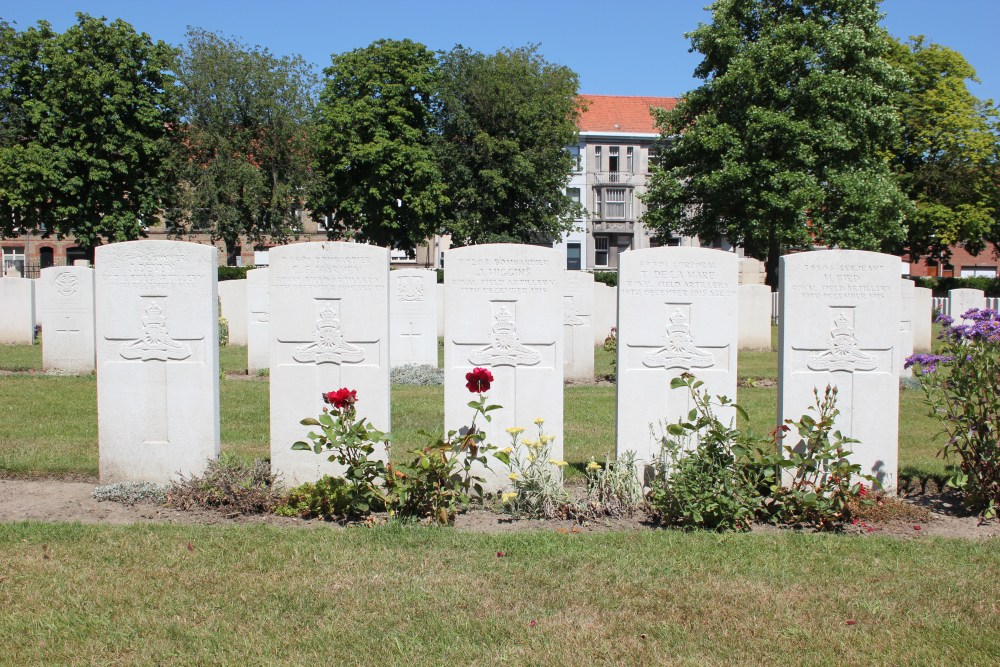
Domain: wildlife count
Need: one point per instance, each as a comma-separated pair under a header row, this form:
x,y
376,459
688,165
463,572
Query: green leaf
x,y
301,446
309,421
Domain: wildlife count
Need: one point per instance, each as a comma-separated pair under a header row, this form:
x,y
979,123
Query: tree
x,y
505,122
246,149
377,176
87,118
786,142
947,159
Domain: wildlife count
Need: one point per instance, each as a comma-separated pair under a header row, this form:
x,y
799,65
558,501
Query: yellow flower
x,y
514,430
509,496
507,450
561,464
513,476
531,458
553,462
539,421
593,466
531,444
546,439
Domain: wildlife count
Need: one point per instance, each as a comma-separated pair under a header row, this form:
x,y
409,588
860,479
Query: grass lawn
x,y
49,424
82,595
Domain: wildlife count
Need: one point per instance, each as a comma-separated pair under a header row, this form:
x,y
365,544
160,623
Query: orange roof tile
x,y
620,113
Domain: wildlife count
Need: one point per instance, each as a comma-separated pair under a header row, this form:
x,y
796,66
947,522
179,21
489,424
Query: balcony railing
x,y
614,226
614,177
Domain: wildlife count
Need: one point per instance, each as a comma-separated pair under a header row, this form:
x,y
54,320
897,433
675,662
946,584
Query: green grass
x,y
49,424
20,357
82,595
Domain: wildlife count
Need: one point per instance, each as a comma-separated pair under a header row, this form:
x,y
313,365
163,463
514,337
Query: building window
x,y
597,158
630,160
13,260
574,152
46,257
598,206
397,255
600,251
573,256
651,158
615,205
979,272
613,159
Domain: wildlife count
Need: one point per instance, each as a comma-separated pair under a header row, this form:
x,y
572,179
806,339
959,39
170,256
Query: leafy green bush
x,y
223,332
609,278
535,476
328,498
941,285
233,272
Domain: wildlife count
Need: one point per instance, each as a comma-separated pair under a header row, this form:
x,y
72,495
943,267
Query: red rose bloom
x,y
478,380
341,398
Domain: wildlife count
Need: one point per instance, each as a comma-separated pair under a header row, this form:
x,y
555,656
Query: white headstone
x,y
605,311
754,328
578,326
413,314
67,296
157,359
504,313
751,271
233,306
906,306
329,306
839,326
676,309
440,310
923,318
81,262
17,311
961,300
259,322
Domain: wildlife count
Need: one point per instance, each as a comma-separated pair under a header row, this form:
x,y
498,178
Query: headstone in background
x,y
66,294
17,311
906,314
676,309
157,322
923,318
840,314
605,311
504,313
961,300
258,322
754,328
413,315
751,271
578,326
440,310
233,306
329,305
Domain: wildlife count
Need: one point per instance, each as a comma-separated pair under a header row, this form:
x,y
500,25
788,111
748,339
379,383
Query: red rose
x,y
478,380
341,398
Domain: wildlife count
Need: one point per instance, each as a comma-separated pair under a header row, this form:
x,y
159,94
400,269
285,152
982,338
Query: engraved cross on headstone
x,y
411,335
571,321
154,349
328,348
843,359
676,351
503,352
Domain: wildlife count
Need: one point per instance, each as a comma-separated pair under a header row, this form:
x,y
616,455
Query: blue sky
x,y
635,48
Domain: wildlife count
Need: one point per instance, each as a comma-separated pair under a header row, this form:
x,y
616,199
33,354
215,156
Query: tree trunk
x,y
771,263
231,252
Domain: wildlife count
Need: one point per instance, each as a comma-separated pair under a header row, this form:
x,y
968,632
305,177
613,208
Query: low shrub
x,y
223,332
536,477
417,374
233,272
228,484
609,278
328,498
130,493
614,489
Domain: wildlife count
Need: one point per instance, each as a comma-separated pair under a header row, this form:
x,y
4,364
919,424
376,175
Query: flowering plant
x,y
351,443
964,394
535,475
441,479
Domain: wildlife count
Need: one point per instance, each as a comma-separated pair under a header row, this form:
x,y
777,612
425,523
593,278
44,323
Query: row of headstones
x,y
157,352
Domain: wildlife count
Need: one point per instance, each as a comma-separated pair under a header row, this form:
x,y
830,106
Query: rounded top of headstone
x,y
840,256
147,247
631,258
328,249
501,250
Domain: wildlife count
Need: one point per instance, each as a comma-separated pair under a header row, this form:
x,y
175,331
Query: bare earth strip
x,y
52,500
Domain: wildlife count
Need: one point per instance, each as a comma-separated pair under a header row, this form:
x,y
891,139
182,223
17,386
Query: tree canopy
x,y
947,158
86,125
377,175
505,122
787,141
245,153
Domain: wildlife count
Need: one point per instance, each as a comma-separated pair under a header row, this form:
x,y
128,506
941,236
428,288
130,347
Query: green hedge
x,y
940,286
233,272
609,278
